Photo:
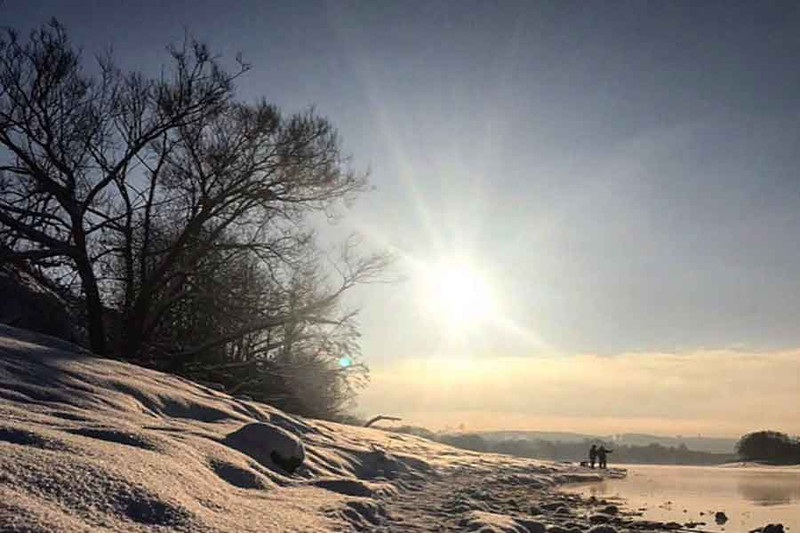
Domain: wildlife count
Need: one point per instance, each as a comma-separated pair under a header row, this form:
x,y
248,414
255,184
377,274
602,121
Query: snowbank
x,y
99,445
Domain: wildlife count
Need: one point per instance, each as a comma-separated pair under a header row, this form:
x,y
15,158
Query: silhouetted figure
x,y
601,457
592,455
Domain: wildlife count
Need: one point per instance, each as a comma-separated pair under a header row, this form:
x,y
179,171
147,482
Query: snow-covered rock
x,y
269,444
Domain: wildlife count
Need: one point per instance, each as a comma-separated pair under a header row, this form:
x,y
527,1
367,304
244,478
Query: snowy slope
x,y
90,444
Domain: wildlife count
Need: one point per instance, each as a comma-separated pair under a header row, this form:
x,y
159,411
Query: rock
x,y
534,510
557,529
610,509
772,528
602,529
532,526
270,445
563,511
672,525
646,525
720,517
599,518
552,506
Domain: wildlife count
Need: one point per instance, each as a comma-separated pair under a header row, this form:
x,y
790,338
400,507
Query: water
x,y
750,496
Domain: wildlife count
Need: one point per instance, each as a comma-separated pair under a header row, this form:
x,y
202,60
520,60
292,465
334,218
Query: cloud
x,y
714,392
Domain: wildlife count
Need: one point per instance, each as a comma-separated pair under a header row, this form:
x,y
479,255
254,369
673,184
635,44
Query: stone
x,y
692,525
552,506
270,445
531,525
603,529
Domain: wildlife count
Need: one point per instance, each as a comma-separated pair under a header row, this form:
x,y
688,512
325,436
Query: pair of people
x,y
598,454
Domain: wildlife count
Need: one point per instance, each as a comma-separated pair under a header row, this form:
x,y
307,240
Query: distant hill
x,y
563,436
701,444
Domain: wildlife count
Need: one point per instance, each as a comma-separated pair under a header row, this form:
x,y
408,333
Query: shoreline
x,y
89,444
702,499
754,465
518,498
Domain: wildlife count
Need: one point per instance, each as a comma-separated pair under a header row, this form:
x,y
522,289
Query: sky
x,y
594,205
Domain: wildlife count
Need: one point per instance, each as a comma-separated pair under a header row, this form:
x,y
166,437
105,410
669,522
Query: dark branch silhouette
x,y
379,418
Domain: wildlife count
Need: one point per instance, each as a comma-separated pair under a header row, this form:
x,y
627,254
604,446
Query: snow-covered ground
x,y
90,444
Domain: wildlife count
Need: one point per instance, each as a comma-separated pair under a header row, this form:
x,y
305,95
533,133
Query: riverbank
x,y
89,444
756,465
707,498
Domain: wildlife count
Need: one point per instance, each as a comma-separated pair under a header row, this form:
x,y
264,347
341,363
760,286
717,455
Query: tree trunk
x,y
94,308
94,305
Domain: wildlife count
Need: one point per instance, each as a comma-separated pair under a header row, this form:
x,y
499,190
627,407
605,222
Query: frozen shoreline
x,y
747,498
91,444
757,466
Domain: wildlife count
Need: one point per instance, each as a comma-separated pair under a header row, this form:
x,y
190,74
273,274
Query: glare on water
x,y
750,497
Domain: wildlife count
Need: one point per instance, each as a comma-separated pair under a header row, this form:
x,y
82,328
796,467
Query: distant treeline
x,y
771,447
575,451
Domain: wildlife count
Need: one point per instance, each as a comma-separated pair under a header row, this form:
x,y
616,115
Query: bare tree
x,y
71,143
181,214
239,184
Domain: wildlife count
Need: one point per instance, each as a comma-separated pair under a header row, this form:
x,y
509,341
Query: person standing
x,y
601,457
592,455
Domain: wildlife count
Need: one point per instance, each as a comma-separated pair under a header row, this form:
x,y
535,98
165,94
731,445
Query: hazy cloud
x,y
714,392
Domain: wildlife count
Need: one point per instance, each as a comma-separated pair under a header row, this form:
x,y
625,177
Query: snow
x,y
89,444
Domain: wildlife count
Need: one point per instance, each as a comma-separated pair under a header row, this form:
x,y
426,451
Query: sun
x,y
457,294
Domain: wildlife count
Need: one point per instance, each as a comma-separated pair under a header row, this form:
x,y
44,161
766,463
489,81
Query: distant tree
x,y
180,215
518,447
417,431
769,446
467,441
577,451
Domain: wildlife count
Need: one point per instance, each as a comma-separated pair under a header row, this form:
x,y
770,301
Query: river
x,y
750,496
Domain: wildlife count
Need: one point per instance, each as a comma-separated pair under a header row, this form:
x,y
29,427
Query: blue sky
x,y
622,175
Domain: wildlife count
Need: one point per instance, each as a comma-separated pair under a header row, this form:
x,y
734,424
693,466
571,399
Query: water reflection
x,y
775,489
750,497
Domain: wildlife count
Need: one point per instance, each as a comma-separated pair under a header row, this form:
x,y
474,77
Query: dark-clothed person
x,y
601,457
